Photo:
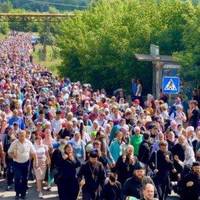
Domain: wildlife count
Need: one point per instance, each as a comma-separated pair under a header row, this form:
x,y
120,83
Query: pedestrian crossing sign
x,y
171,85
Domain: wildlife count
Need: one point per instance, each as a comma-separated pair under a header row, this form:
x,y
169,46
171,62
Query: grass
x,y
2,36
52,61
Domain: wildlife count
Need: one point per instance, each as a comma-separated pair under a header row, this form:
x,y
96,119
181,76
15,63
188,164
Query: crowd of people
x,y
55,131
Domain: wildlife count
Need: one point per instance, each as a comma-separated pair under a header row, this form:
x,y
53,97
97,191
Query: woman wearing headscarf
x,y
68,183
125,164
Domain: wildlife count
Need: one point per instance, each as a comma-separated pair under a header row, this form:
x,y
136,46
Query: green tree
x,y
5,7
47,31
189,56
43,6
99,44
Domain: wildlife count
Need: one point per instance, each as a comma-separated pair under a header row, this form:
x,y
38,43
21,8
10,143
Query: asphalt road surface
x,y
32,194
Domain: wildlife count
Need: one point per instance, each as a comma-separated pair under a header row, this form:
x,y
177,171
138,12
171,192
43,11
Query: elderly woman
x,y
68,186
125,164
136,140
78,146
116,146
179,116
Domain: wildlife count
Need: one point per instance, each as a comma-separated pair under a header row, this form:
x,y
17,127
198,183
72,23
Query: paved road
x,y
33,195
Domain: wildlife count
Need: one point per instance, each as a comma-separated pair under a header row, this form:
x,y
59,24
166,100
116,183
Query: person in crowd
x,y
171,141
41,119
57,123
189,134
164,115
188,154
66,131
178,102
43,159
189,184
148,192
20,151
133,88
138,93
10,137
178,153
137,106
179,116
193,114
2,158
196,143
68,182
196,95
56,160
79,146
136,140
16,119
145,149
111,189
161,163
133,186
116,147
104,134
94,174
125,164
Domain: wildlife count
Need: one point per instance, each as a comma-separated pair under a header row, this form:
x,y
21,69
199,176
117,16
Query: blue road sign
x,y
171,85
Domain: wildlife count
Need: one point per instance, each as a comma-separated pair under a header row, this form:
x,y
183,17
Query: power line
x,y
58,4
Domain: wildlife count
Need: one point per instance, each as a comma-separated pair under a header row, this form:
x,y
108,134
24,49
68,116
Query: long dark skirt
x,y
68,189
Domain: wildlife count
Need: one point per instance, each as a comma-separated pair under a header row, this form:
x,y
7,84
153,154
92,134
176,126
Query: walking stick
x,y
82,183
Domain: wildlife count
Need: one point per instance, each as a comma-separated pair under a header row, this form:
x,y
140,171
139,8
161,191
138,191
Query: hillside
x,y
44,5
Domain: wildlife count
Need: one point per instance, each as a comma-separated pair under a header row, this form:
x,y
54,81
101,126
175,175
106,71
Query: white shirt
x,y
41,151
22,150
189,155
179,117
57,126
139,90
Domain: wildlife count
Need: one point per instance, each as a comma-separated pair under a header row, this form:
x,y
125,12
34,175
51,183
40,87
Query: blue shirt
x,y
17,120
133,88
116,149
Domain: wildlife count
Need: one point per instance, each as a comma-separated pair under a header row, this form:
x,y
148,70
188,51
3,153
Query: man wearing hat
x,y
133,186
190,184
94,174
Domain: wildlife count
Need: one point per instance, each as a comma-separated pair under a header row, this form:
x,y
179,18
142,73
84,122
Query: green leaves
x,y
99,44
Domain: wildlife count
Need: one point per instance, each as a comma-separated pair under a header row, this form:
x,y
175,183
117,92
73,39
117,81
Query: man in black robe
x,y
190,184
94,174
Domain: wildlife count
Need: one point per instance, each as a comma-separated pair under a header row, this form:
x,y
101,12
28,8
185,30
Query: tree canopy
x,y
99,44
44,5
